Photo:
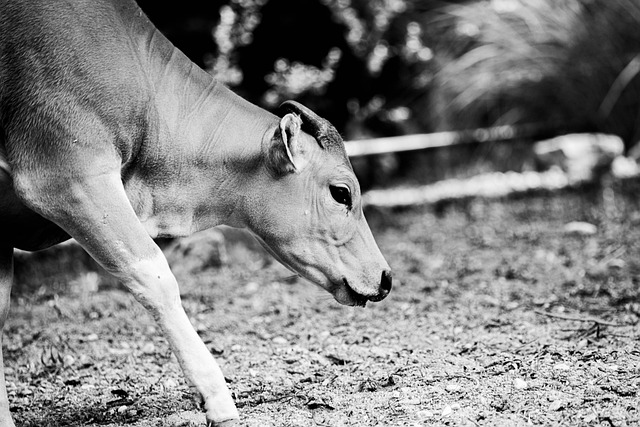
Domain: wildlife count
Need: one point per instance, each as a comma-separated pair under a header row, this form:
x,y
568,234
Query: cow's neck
x,y
203,145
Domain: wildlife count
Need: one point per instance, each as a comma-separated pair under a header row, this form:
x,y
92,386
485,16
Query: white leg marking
x,y
153,284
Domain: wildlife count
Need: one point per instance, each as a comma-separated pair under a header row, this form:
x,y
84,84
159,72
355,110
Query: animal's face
x,y
312,221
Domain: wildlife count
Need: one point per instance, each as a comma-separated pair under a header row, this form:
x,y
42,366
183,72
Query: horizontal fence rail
x,y
490,185
395,144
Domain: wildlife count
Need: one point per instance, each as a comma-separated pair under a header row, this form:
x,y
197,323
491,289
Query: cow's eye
x,y
341,194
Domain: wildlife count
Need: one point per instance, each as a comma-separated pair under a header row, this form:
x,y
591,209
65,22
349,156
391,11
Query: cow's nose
x,y
385,282
385,286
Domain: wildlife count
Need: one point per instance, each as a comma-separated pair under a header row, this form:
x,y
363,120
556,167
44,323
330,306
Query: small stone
x,y
616,264
520,384
68,360
561,367
556,405
170,383
452,387
280,340
580,228
91,337
582,344
251,287
410,401
324,335
591,417
425,413
122,409
448,410
148,348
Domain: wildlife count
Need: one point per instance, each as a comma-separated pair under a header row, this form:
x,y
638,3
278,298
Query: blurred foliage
x,y
389,67
565,63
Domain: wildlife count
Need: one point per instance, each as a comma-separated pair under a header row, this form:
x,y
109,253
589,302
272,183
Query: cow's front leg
x,y
95,211
153,284
6,277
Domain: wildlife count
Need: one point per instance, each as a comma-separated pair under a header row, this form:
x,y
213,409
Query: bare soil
x,y
499,316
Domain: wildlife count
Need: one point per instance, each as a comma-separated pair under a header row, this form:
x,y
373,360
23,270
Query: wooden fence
x,y
396,144
495,184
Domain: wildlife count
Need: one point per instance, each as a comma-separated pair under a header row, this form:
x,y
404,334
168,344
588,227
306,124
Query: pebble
x,y
556,405
252,287
452,387
580,228
324,335
410,401
148,348
279,340
68,360
91,337
616,264
520,384
425,413
170,383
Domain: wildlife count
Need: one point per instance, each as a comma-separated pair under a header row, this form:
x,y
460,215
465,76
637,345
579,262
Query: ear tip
x,y
288,104
291,106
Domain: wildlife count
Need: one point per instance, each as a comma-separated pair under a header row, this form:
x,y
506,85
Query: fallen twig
x,y
579,319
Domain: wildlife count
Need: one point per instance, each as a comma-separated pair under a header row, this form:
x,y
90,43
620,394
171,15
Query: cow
x,y
112,136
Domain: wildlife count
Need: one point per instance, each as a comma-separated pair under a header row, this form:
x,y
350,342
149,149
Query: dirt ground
x,y
500,316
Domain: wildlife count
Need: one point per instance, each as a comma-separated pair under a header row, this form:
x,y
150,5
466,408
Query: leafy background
x,y
391,67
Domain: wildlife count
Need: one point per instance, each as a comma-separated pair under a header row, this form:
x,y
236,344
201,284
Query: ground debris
x,y
521,324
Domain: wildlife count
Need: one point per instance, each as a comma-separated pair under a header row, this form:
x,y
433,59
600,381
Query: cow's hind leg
x,y
97,213
6,277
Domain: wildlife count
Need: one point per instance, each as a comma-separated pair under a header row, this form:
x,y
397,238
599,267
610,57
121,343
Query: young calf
x,y
110,135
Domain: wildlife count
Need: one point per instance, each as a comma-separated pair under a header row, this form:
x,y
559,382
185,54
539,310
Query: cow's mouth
x,y
347,296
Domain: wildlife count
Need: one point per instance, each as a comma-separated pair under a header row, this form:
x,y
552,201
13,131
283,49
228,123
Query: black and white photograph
x,y
319,213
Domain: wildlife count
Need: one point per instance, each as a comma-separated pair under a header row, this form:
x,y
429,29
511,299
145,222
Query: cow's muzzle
x,y
384,288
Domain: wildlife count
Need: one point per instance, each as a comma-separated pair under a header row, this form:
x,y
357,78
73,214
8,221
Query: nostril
x,y
385,281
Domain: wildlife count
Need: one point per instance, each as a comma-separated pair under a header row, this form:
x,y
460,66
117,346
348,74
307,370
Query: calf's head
x,y
307,210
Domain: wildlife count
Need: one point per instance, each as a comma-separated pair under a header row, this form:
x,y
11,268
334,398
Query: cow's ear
x,y
286,153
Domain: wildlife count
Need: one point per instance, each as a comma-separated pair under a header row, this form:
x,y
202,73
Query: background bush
x,y
393,67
